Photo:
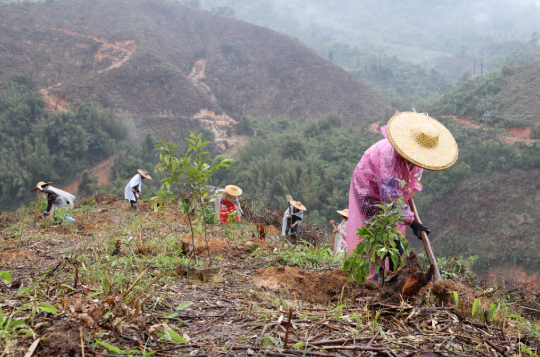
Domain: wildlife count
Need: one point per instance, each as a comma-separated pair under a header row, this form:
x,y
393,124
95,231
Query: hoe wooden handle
x,y
427,245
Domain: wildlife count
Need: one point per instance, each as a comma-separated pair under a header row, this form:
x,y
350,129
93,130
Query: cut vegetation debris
x,y
97,291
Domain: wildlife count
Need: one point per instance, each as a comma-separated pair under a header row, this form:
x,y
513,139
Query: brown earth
x,y
273,231
519,134
442,292
137,56
102,169
314,287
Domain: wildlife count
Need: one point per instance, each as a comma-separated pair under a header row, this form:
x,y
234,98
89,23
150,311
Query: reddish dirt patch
x,y
518,133
102,169
10,255
272,231
314,287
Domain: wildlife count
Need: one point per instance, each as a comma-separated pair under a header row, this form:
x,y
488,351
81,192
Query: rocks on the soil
x,y
251,246
212,275
208,275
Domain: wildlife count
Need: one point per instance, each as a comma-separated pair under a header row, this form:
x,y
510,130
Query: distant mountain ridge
x,y
161,58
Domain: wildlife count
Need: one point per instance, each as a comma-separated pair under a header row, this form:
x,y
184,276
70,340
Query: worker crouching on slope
x,y
56,200
340,240
292,218
134,187
229,205
412,142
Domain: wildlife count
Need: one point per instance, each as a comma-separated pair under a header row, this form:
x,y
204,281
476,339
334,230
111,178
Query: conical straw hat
x,y
42,184
422,141
298,205
144,174
233,190
345,212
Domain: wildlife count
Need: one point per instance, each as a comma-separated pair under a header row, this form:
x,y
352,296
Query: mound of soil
x,y
272,231
442,291
314,287
63,338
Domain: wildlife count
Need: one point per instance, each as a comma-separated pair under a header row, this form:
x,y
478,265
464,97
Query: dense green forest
x,y
39,146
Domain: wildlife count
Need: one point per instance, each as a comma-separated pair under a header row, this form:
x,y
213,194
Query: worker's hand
x,y
294,224
332,222
418,227
336,230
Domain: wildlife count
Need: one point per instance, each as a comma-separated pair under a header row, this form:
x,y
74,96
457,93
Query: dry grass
x,y
122,287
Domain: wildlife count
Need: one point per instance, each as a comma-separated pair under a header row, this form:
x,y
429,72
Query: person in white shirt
x,y
340,240
134,188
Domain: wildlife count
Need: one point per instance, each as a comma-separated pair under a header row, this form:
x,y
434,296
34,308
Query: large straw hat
x,y
144,174
422,140
42,184
233,190
298,205
345,212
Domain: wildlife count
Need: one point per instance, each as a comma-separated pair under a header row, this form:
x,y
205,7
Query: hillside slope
x,y
507,98
162,58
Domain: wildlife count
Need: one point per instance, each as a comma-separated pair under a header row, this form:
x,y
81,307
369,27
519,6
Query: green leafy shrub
x,y
379,238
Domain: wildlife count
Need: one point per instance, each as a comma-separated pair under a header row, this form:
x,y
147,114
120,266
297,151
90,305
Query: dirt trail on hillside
x,y
114,53
519,134
102,169
221,124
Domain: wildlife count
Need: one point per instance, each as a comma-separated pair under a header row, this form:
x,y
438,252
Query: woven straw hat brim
x,y
345,213
42,184
233,190
144,174
298,205
400,132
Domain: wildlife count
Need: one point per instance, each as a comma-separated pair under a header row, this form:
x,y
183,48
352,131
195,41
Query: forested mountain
x,y
142,56
384,42
73,70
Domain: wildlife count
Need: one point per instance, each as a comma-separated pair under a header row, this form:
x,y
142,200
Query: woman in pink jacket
x,y
412,142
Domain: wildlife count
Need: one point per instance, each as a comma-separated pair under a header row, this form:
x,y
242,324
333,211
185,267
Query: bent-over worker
x,y
412,142
292,218
229,205
340,231
56,199
134,187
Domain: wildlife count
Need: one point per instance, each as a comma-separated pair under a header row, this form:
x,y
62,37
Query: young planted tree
x,y
379,238
194,170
